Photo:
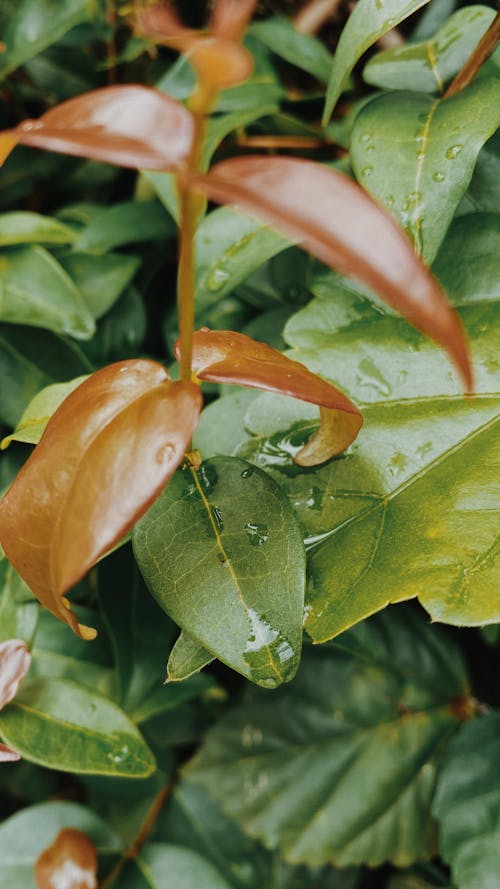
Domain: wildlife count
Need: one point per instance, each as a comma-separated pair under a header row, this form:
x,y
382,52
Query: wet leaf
x,y
467,803
15,661
32,228
187,658
307,785
130,125
58,517
34,419
71,860
62,725
231,525
35,25
438,143
367,23
429,66
221,356
342,228
36,290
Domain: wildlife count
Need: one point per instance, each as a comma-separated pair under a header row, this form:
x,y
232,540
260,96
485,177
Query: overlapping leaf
x,y
71,858
35,25
59,498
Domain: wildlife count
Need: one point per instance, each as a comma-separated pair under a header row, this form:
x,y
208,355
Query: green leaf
x,y
62,725
484,188
18,610
429,66
367,23
185,868
35,290
187,658
129,222
35,417
302,50
222,553
229,247
121,331
32,228
100,279
467,804
468,262
25,835
29,361
35,25
357,760
438,143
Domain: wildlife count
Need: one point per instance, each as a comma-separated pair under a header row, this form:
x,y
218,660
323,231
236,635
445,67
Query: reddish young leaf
x,y
335,220
70,862
106,454
15,661
131,126
161,23
231,17
223,356
8,755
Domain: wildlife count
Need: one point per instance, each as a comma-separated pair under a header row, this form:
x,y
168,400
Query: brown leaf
x,y
8,755
69,863
15,661
106,454
231,17
223,356
160,22
335,220
131,126
220,63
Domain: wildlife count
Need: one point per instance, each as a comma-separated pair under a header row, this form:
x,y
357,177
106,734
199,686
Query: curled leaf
x,y
223,356
15,661
131,126
70,862
231,17
335,220
105,455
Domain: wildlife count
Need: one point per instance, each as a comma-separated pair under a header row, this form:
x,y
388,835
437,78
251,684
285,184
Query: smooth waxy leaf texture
x,y
127,222
34,419
184,868
438,143
35,290
468,262
100,279
343,229
63,725
187,658
467,804
367,23
131,126
299,49
32,228
35,25
427,67
231,525
221,356
307,785
68,505
18,610
70,860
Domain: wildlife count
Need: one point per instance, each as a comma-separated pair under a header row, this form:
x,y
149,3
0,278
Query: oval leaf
x,y
187,658
223,356
71,861
230,524
230,18
15,662
62,725
131,126
340,225
69,504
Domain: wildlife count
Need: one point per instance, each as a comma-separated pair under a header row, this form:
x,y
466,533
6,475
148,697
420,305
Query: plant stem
x,y
479,55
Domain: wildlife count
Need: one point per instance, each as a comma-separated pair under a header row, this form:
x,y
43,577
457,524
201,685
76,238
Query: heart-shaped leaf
x,y
70,860
221,356
341,226
70,504
131,126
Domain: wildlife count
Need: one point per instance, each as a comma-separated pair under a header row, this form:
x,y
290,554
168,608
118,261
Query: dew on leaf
x,y
257,533
217,517
217,279
367,171
247,472
438,177
453,151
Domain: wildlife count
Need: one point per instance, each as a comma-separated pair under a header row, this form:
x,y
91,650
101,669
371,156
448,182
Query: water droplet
x,y
438,177
217,517
217,278
207,476
453,151
226,563
389,23
397,464
365,137
30,125
247,472
370,148
164,453
258,534
389,200
366,171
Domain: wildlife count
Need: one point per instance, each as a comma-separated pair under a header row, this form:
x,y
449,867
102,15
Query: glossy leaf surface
x,y
342,228
427,67
438,143
59,516
100,279
187,658
34,419
298,49
36,290
131,126
367,23
23,227
127,222
306,784
467,804
233,524
34,26
222,356
71,860
468,262
71,728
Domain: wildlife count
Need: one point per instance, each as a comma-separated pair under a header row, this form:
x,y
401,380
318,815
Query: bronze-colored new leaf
x,y
223,356
131,126
8,755
231,17
106,454
70,862
335,220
